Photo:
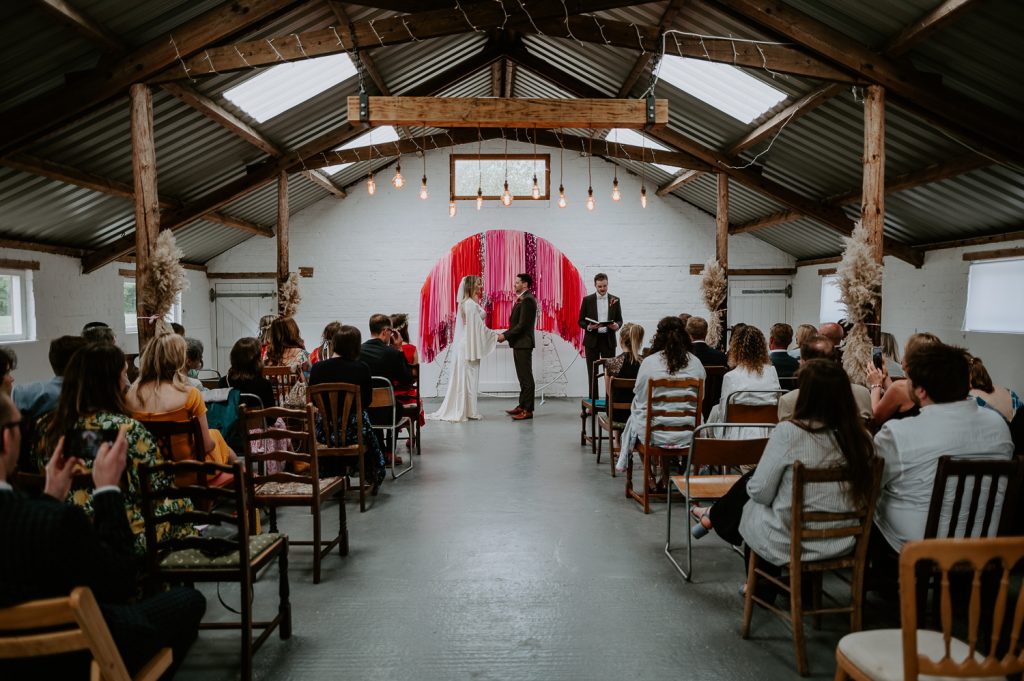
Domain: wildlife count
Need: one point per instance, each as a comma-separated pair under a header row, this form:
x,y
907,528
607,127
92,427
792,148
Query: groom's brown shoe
x,y
513,412
522,415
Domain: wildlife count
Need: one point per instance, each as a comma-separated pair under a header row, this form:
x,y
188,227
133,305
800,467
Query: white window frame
x,y
173,315
1002,296
830,311
23,310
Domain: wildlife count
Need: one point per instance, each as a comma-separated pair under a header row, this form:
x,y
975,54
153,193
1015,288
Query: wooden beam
x,y
242,275
994,254
941,16
641,63
872,209
767,221
722,251
42,247
147,203
819,261
697,269
324,182
12,264
683,178
282,235
970,241
81,23
25,122
935,172
497,70
509,78
827,271
222,117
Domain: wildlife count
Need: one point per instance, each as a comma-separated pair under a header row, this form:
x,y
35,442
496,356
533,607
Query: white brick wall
x,y
929,299
371,254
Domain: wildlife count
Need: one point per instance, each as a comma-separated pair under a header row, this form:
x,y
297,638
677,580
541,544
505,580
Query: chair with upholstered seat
x,y
303,486
337,403
67,624
589,408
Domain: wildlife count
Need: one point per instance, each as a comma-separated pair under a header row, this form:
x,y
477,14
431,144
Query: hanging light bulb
x,y
590,198
479,198
371,186
398,181
451,207
616,194
561,197
590,182
423,189
535,193
506,196
536,188
643,197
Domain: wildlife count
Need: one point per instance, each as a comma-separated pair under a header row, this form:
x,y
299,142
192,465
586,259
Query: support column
x,y
282,233
722,250
147,203
872,211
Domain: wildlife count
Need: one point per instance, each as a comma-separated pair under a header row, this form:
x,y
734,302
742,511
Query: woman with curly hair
x,y
670,358
752,370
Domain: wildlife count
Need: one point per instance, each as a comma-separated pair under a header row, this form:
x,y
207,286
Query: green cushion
x,y
189,559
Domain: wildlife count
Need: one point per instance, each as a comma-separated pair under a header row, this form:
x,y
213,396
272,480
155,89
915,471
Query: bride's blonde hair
x,y
468,286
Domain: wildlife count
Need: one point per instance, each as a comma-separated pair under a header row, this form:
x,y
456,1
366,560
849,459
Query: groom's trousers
x,y
523,358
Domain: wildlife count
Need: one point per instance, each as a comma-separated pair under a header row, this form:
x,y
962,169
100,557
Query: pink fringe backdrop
x,y
498,256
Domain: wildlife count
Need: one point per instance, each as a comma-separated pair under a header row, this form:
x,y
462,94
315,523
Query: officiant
x,y
600,318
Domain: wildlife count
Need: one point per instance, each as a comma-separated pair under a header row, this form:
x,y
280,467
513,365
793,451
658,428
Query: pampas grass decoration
x,y
713,286
860,283
165,281
290,296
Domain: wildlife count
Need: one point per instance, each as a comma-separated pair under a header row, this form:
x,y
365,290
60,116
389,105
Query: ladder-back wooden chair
x,y
613,419
183,441
682,406
280,488
68,624
282,378
809,525
766,412
337,404
589,409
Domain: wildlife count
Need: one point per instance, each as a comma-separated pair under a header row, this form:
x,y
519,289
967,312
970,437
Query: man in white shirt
x,y
600,318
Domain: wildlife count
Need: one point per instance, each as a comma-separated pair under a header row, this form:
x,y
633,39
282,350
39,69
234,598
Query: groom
x,y
520,338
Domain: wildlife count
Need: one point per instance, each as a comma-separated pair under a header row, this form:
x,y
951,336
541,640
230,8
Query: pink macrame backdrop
x,y
498,255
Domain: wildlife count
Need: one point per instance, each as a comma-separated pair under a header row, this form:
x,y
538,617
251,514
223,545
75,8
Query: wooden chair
x,y
337,403
975,518
708,451
606,421
384,400
910,653
589,409
238,557
68,624
660,407
413,410
210,378
807,525
712,388
168,433
737,412
281,488
283,379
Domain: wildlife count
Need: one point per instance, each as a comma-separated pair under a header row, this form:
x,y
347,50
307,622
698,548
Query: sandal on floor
x,y
700,529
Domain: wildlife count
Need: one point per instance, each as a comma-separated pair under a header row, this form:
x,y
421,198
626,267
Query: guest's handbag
x,y
296,397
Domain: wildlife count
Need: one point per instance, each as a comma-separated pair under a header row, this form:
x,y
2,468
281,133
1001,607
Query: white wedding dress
x,y
473,341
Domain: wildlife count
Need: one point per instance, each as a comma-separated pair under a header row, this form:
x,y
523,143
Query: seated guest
x,y
246,373
47,548
286,346
346,367
194,362
99,332
263,335
381,356
819,347
178,328
803,332
697,329
161,393
748,354
892,399
670,358
400,340
949,423
835,333
35,399
323,351
8,363
891,355
983,390
779,338
625,365
92,400
825,432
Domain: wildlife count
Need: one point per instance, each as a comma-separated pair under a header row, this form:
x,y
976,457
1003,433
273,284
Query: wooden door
x,y
759,302
238,307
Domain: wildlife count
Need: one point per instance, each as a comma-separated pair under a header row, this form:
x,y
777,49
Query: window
x,y
131,316
281,87
468,172
724,87
832,308
17,307
993,303
379,135
630,136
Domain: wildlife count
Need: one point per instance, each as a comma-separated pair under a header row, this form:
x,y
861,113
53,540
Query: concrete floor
x,y
508,554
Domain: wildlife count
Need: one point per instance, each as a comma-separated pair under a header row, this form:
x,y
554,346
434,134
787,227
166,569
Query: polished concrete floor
x,y
508,554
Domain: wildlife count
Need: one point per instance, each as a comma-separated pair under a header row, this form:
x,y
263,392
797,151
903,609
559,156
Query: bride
x,y
473,341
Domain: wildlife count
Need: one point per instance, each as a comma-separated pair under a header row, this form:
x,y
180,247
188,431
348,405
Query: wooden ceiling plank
x,y
997,238
938,18
221,117
641,63
321,180
83,24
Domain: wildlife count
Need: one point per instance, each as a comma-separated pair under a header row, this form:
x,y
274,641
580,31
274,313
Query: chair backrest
x,y
596,372
1017,432
62,625
178,440
986,476
619,386
715,449
337,403
808,524
995,557
299,445
712,388
788,383
210,378
674,406
282,378
766,411
383,398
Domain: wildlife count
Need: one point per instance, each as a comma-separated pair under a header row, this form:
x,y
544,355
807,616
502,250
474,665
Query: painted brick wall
x,y
929,299
371,254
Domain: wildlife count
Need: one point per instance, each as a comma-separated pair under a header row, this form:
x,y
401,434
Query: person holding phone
x,y
892,399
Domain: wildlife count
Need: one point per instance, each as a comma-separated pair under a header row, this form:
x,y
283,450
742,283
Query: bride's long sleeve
x,y
480,340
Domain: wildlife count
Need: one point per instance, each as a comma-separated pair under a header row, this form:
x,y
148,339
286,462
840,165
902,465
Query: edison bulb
x,y
398,181
479,199
423,189
506,196
536,188
643,197
616,194
561,197
371,186
590,198
451,208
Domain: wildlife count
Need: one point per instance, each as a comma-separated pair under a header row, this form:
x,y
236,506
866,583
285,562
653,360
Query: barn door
x,y
238,307
759,302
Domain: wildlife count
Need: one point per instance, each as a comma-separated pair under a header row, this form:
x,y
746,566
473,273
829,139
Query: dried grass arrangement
x,y
290,297
860,283
713,287
166,279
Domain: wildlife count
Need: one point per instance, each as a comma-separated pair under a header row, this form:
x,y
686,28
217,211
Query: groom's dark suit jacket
x,y
521,323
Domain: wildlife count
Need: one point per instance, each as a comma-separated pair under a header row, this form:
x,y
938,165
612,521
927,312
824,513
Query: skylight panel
x,y
381,135
631,136
724,87
287,85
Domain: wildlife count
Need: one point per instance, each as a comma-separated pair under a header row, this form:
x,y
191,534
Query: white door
x,y
759,302
237,311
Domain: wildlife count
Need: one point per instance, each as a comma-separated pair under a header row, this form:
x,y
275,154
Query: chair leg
x,y
342,527
816,580
646,463
284,606
583,427
629,477
246,613
362,484
273,518
613,453
748,598
316,543
599,450
841,662
797,620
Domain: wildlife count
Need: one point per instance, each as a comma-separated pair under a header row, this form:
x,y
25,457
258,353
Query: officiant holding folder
x,y
600,318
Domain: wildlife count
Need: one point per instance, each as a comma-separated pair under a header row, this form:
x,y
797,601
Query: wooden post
x,y
722,250
872,211
282,233
147,202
